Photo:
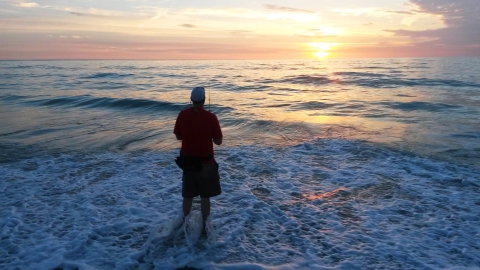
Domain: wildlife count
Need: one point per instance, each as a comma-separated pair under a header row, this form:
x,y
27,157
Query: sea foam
x,y
320,204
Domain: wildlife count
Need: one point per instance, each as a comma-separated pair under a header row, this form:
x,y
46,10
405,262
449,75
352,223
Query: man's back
x,y
197,128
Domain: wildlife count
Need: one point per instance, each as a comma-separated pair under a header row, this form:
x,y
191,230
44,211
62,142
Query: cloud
x,y
27,4
322,32
373,12
239,31
242,13
93,12
286,9
187,25
106,13
402,12
358,11
461,17
160,12
78,11
9,11
454,12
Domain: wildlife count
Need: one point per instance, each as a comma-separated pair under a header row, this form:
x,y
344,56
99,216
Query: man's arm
x,y
217,131
218,141
176,129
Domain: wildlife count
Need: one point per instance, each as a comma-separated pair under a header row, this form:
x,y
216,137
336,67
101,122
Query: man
x,y
197,128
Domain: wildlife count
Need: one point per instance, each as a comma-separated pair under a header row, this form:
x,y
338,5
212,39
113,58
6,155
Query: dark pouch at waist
x,y
190,164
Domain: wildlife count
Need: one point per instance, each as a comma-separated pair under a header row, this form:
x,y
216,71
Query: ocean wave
x,y
424,82
7,76
418,105
371,110
313,105
12,97
309,79
38,66
374,67
129,67
279,105
108,85
341,108
420,66
359,74
468,135
373,80
173,75
404,95
21,67
108,102
145,105
280,94
467,154
227,86
100,75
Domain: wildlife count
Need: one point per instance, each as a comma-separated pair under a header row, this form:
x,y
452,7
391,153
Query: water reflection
x,y
338,192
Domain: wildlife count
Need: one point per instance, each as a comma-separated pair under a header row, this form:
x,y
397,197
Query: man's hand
x,y
178,137
218,141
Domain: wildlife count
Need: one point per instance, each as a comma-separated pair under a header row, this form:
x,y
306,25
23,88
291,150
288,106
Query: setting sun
x,y
322,49
321,54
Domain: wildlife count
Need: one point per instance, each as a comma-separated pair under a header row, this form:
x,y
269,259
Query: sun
x,y
321,54
322,49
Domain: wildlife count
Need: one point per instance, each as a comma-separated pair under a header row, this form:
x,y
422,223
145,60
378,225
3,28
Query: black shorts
x,y
205,183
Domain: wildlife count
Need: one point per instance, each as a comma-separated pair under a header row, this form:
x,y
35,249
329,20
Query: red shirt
x,y
198,128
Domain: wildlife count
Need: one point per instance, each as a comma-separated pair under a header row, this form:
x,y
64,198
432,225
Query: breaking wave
x,y
145,105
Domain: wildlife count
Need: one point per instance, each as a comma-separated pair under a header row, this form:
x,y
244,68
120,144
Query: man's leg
x,y
188,192
205,206
187,206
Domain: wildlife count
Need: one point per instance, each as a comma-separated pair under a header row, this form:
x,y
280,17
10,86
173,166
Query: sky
x,y
248,29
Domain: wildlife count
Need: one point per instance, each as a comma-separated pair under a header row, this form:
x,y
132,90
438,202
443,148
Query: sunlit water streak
x,y
335,163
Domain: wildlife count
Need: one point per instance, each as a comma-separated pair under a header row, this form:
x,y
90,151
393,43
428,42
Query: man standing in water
x,y
197,129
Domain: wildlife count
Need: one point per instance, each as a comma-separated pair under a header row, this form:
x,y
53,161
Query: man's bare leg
x,y
205,206
187,206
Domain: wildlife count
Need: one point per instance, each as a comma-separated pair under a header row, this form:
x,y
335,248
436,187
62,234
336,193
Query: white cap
x,y
198,94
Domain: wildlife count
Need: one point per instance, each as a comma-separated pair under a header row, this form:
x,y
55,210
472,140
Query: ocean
x,y
326,164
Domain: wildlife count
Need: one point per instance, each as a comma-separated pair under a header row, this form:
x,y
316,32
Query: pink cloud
x,y
462,19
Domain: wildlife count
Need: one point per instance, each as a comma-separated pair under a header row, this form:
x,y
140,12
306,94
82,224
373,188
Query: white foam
x,y
326,204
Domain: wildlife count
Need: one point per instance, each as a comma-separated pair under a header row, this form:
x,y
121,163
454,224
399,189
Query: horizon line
x,y
279,59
